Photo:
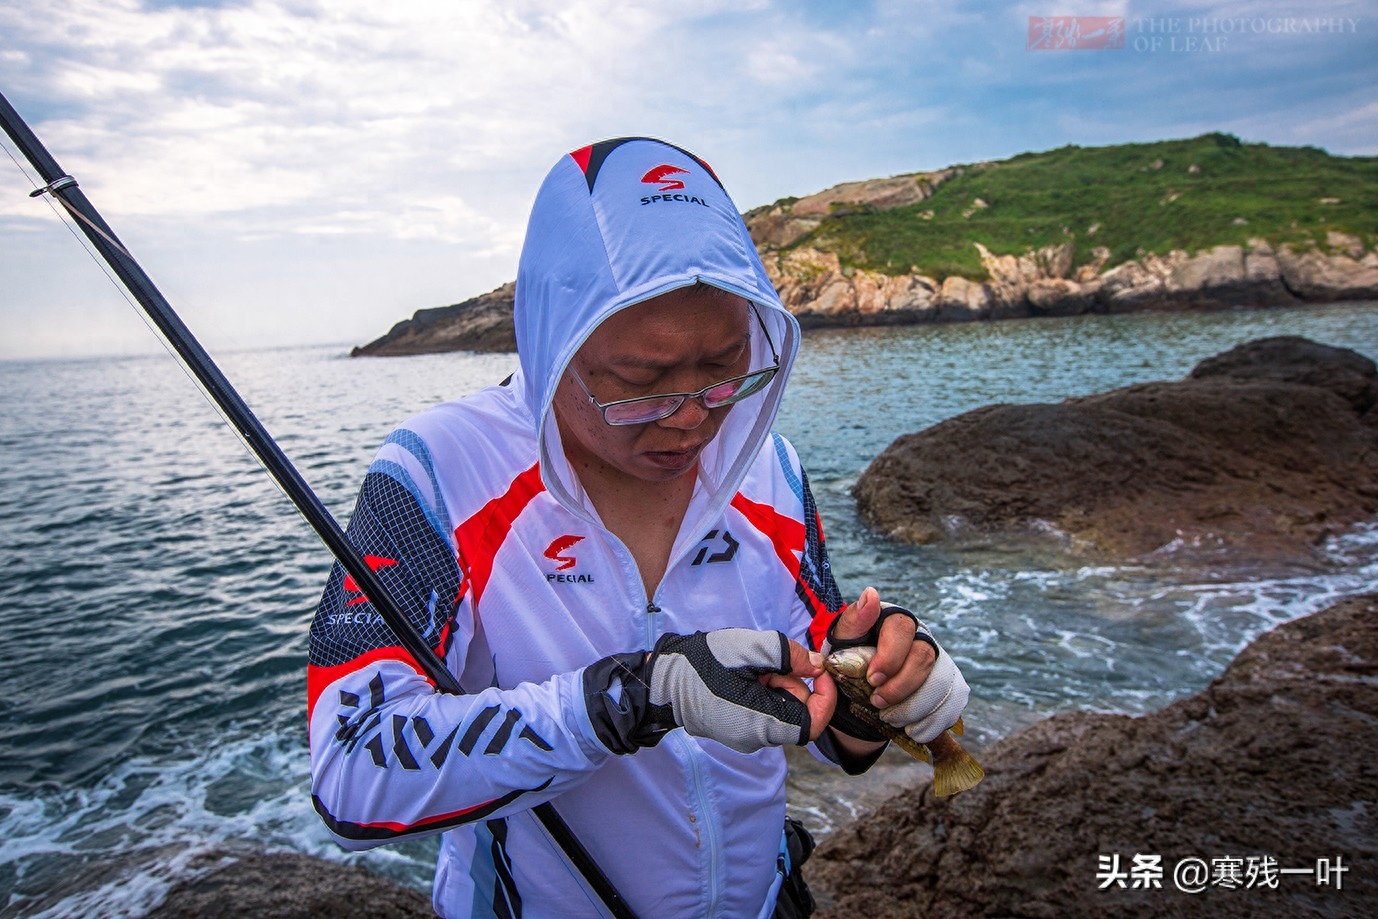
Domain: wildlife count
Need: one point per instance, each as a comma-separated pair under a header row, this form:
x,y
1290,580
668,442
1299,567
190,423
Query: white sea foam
x,y
115,849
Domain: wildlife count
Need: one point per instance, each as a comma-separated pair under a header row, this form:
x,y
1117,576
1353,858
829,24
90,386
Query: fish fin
x,y
954,769
959,729
912,747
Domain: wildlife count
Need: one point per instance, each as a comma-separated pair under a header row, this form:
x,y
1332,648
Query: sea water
x,y
157,587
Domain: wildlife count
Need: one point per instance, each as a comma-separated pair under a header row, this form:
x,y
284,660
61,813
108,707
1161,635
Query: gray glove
x,y
706,683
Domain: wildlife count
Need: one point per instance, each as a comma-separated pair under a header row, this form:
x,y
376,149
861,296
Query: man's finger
x,y
856,620
790,684
821,704
912,675
803,662
895,651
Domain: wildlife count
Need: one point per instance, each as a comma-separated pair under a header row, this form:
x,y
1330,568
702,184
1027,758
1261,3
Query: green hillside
x,y
1139,198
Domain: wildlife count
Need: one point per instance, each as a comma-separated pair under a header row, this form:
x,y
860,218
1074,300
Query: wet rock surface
x,y
288,886
1277,759
1258,455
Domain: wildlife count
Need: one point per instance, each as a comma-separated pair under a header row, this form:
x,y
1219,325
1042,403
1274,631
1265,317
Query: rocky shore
x,y
1271,768
1258,455
287,886
822,293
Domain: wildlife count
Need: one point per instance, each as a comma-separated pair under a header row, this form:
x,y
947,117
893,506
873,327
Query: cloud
x,y
349,139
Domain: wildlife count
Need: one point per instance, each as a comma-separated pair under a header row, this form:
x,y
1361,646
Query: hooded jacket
x,y
475,521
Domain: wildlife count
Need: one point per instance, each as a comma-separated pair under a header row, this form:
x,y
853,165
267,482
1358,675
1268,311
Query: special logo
x,y
556,553
661,176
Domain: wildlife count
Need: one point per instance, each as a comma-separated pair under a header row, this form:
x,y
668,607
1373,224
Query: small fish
x,y
954,769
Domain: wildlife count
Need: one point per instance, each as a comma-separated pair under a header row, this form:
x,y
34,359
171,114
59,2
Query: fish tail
x,y
954,769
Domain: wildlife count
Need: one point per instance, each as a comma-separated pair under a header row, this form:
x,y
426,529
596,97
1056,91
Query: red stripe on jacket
x,y
481,536
788,537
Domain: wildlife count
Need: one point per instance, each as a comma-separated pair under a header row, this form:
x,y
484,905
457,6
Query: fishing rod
x,y
64,189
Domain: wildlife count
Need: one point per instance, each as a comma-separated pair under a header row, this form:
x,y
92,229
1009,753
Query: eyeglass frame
x,y
684,397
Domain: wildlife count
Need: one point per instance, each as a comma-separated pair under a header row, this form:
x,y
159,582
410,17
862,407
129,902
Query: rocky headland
x,y
1275,760
1258,455
482,323
1207,223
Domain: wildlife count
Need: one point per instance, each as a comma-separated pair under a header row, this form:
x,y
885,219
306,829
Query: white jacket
x,y
474,520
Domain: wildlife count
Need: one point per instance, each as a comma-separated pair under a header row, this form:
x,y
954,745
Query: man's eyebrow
x,y
631,361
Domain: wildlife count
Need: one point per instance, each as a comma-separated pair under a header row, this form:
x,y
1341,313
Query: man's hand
x,y
917,687
741,687
902,661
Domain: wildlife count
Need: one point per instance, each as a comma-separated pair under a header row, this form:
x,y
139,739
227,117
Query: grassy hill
x,y
1132,199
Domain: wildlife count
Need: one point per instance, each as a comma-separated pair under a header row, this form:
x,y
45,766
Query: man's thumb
x,y
856,620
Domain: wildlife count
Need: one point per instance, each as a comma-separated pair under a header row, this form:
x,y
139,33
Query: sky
x,y
311,172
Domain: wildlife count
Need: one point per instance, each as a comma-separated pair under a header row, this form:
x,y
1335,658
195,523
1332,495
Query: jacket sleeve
x,y
818,601
392,757
817,598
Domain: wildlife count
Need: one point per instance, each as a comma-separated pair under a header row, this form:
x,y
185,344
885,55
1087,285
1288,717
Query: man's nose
x,y
690,414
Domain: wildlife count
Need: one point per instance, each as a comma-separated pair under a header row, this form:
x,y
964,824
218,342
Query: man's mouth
x,y
674,459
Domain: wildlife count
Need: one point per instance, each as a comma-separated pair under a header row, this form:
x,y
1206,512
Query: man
x,y
607,548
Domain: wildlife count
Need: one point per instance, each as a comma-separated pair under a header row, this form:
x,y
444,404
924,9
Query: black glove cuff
x,y
626,724
850,763
847,723
872,637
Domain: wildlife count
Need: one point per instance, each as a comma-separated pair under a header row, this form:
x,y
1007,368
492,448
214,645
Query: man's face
x,y
681,341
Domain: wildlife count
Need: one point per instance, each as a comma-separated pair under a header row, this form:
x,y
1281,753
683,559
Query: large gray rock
x,y
1315,275
1258,455
1277,758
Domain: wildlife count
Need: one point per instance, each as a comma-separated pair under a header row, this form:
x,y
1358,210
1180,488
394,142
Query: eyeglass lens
x,y
652,408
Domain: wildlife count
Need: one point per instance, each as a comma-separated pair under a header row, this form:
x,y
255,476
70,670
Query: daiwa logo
x,y
412,742
661,175
556,553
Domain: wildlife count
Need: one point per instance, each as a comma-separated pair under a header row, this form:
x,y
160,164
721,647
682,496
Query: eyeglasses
x,y
645,409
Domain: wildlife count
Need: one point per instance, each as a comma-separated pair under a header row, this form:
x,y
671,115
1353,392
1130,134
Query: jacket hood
x,y
617,223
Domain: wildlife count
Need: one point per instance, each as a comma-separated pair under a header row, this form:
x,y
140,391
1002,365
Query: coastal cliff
x,y
1205,223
